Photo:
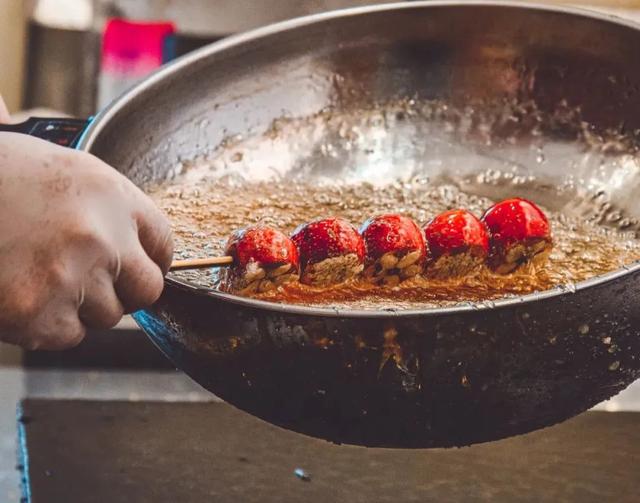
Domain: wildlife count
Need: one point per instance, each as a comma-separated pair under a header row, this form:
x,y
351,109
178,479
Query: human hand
x,y
80,244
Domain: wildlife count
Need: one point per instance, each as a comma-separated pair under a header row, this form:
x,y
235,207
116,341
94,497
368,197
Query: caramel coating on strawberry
x,y
396,248
331,251
458,242
519,234
264,258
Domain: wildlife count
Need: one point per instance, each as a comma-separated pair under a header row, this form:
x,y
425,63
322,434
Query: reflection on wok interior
x,y
415,109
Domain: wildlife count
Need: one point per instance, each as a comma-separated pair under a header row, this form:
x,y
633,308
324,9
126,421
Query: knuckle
x,y
84,234
34,338
58,275
112,316
152,289
166,254
66,338
55,328
73,337
147,290
102,308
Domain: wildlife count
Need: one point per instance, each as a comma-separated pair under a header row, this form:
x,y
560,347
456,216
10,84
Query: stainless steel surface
x,y
500,99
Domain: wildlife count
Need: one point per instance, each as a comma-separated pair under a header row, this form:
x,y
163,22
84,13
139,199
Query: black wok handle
x,y
65,132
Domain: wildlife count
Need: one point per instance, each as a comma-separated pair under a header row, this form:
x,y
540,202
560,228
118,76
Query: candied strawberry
x,y
396,248
331,251
263,259
519,233
458,243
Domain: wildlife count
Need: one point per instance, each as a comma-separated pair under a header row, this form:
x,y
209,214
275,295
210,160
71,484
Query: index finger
x,y
154,233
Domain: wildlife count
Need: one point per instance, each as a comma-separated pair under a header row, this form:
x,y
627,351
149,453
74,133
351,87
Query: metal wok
x,y
551,96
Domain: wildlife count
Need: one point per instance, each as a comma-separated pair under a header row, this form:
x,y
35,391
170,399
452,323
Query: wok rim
x,y
103,117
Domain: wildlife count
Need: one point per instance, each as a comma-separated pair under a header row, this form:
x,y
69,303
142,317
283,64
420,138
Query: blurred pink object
x,y
130,51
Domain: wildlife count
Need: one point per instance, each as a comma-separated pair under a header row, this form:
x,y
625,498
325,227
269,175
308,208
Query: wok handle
x,y
64,132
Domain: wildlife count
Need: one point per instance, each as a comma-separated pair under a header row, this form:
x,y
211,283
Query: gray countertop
x,y
155,452
17,383
168,386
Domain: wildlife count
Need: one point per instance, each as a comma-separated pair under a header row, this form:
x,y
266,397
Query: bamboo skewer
x,y
201,263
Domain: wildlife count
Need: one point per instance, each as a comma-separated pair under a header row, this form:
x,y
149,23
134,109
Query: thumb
x,y
4,113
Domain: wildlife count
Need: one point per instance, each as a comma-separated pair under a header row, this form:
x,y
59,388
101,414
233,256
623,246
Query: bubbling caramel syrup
x,y
205,212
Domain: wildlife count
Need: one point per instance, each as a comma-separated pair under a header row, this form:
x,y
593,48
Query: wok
x,y
530,101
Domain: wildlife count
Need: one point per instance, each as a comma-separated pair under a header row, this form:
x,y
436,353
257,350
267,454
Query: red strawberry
x,y
331,251
396,248
458,243
263,259
519,232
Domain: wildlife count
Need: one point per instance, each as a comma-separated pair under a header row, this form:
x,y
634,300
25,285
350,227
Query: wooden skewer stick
x,y
201,263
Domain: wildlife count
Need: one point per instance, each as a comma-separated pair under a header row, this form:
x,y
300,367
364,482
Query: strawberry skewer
x,y
519,232
458,243
263,258
396,249
331,251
